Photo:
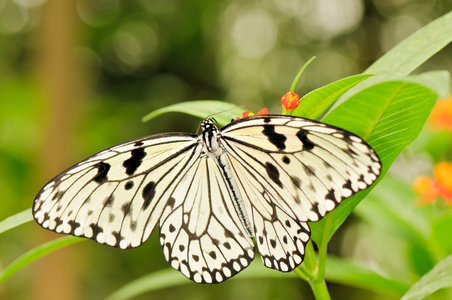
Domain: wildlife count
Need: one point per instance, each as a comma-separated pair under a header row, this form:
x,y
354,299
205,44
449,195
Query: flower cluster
x,y
245,114
430,189
289,102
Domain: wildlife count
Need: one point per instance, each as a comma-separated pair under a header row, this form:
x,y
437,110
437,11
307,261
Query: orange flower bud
x,y
263,111
245,114
290,101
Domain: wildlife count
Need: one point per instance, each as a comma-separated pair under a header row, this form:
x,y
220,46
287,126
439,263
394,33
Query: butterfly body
x,y
261,177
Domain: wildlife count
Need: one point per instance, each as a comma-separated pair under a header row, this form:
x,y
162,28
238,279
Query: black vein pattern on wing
x,y
82,173
58,181
333,146
178,177
214,182
166,160
259,178
275,258
254,173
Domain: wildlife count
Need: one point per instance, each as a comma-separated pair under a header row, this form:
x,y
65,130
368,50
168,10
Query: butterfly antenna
x,y
223,111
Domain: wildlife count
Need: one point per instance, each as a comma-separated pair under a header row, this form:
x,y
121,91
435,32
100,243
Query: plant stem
x,y
323,247
320,290
295,81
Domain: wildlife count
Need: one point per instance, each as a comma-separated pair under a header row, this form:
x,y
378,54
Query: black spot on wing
x,y
273,173
315,208
46,217
128,185
102,172
228,233
148,194
58,196
109,200
302,136
135,161
273,137
331,196
126,208
58,221
96,230
133,225
118,237
286,159
74,225
171,201
273,243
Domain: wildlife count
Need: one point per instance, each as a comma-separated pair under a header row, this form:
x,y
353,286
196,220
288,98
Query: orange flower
x,y
425,187
441,117
290,101
440,186
245,114
443,176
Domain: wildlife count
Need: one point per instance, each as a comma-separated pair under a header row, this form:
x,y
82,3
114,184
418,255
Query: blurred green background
x,y
77,76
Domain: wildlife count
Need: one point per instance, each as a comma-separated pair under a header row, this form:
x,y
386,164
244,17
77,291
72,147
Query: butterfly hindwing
x,y
202,235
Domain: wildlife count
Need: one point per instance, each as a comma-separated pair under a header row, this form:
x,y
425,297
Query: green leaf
x,y
171,278
390,208
389,116
415,49
437,81
35,254
16,220
223,111
314,104
439,277
408,54
349,273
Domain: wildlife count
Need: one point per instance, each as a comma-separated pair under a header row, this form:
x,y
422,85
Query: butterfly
x,y
260,177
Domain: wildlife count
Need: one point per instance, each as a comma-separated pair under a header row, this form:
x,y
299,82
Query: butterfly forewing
x,y
306,167
116,196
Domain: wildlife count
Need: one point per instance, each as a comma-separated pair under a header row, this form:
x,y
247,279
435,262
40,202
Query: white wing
x,y
274,174
117,196
290,171
202,235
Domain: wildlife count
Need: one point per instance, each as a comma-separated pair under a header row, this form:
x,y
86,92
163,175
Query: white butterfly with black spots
x,y
261,177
